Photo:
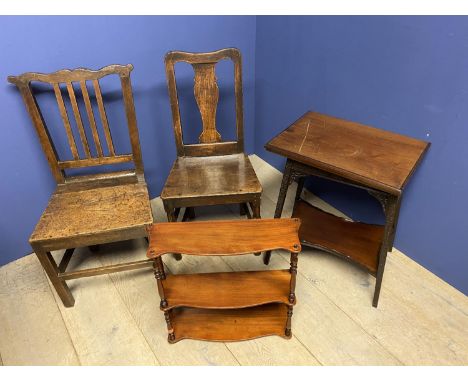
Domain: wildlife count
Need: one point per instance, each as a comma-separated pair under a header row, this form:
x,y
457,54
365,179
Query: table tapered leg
x,y
300,187
391,207
281,198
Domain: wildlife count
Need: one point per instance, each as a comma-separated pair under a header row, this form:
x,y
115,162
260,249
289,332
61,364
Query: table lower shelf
x,y
356,241
229,324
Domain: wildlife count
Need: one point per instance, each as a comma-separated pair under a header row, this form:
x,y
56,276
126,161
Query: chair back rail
x,y
81,76
206,93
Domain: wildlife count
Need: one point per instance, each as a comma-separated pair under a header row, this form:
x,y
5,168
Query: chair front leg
x,y
255,205
52,271
171,217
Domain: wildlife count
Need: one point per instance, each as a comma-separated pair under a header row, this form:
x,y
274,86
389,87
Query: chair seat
x,y
94,211
201,177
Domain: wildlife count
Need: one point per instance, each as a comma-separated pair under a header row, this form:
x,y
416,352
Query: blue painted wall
x,y
403,74
46,44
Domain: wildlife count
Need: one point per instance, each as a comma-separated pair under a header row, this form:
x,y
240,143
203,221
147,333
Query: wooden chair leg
x,y
255,208
189,214
171,217
242,209
51,268
255,205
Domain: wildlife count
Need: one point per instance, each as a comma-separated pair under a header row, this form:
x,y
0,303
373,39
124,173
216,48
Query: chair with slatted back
x,y
92,209
212,171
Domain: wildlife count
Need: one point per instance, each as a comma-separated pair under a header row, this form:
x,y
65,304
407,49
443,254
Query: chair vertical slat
x,y
79,122
132,123
92,122
102,112
207,95
66,122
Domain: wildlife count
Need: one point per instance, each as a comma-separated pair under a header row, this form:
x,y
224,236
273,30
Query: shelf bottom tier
x,y
229,324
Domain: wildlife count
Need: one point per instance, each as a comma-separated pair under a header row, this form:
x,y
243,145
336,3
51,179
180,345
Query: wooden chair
x,y
87,210
212,171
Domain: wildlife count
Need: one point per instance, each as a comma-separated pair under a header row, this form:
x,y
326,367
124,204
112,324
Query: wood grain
x,y
221,290
79,122
92,121
355,241
113,339
32,331
373,157
211,171
211,177
94,211
207,95
87,210
223,237
66,121
138,292
229,324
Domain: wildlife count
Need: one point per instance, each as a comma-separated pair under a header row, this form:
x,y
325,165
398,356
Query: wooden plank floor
x,y
421,320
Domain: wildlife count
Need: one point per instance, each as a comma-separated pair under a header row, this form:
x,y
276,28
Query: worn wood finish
x,y
223,237
373,157
378,161
97,210
229,324
91,119
195,181
227,289
68,77
79,122
87,210
66,121
358,242
212,171
228,302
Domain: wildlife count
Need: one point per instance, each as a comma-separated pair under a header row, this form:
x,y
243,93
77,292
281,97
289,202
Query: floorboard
x,y
32,331
101,327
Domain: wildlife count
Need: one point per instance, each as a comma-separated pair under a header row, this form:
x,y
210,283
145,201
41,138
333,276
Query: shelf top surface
x,y
373,157
223,237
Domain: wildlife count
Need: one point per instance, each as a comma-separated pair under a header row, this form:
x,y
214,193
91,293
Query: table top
x,y
369,156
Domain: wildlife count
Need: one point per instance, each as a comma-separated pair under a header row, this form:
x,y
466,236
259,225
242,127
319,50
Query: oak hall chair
x,y
87,210
212,171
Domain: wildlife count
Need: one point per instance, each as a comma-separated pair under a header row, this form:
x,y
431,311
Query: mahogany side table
x,y
378,161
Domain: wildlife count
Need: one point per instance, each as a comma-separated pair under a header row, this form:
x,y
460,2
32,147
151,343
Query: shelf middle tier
x,y
226,290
